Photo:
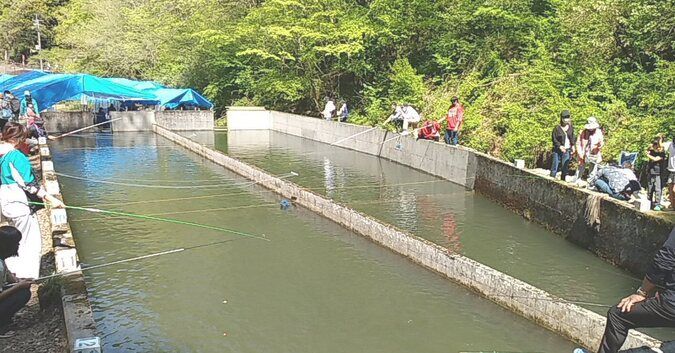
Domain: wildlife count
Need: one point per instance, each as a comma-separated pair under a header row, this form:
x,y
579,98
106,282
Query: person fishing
x,y
649,306
14,292
18,186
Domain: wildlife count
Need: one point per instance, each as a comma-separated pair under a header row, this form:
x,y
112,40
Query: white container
x,y
519,163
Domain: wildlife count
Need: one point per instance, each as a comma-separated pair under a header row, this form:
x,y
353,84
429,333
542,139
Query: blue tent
x,y
5,77
12,82
173,98
51,89
141,85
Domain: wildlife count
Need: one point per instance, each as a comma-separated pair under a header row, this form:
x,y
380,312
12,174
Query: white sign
x,y
88,345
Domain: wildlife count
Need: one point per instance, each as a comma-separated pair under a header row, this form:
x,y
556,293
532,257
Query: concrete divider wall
x,y
77,311
451,163
185,119
59,122
624,236
569,320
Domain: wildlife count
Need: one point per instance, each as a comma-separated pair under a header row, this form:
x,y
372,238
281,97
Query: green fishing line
x,y
160,219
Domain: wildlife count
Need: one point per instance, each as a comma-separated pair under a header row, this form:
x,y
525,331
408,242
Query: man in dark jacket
x,y
644,308
563,144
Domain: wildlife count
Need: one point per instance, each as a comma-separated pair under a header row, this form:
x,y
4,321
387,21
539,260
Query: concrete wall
x,y
77,312
185,119
624,236
569,320
59,122
133,121
248,118
448,162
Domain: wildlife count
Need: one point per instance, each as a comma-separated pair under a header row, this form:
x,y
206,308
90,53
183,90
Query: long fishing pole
x,y
159,219
360,133
137,258
82,129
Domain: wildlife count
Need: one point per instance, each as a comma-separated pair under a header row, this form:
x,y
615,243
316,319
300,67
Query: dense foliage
x,y
514,63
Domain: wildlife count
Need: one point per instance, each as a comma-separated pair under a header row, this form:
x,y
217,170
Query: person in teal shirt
x,y
27,98
17,181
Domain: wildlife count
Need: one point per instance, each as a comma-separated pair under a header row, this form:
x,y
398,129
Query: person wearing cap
x,y
652,304
563,145
670,149
28,99
589,149
430,130
618,182
455,119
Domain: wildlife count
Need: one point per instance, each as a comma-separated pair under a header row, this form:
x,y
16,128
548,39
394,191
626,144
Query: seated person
x,y
430,131
14,292
618,182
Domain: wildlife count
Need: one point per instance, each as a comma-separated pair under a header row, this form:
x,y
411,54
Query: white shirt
x,y
670,147
329,109
410,114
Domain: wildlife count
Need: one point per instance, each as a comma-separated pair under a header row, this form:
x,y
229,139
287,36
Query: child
x,y
656,155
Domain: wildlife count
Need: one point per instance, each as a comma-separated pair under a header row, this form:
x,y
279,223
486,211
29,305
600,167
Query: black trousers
x,y
9,306
649,313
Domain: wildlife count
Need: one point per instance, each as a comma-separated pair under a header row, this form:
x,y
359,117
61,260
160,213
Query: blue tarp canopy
x,y
5,77
12,82
174,97
49,90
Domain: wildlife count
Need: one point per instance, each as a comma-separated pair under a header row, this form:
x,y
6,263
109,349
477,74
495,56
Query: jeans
x,y
12,304
604,187
451,137
649,313
560,159
655,187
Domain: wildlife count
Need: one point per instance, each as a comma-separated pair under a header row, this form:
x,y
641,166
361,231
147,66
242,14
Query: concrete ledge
x,y
77,312
573,322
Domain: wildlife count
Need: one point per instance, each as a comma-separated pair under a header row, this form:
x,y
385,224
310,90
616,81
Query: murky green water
x,y
314,287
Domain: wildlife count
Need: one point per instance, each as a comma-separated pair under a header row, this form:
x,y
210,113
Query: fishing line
x,y
118,147
554,300
149,186
313,188
206,210
159,219
137,258
84,128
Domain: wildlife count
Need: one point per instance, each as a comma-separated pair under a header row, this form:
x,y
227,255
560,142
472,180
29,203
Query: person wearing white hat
x,y
27,99
589,148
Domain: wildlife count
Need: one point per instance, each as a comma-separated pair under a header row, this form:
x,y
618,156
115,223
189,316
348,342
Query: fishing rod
x,y
360,133
82,129
554,300
159,219
133,259
150,186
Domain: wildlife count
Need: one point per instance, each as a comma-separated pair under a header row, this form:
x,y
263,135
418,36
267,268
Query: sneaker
x,y
580,350
657,208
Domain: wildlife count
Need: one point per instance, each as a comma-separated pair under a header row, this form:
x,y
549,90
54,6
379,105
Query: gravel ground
x,y
39,327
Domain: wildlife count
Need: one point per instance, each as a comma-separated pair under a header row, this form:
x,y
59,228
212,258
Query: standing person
x,y
17,184
589,149
657,156
646,307
14,105
13,298
670,148
455,118
343,112
28,99
329,109
6,113
410,117
563,145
